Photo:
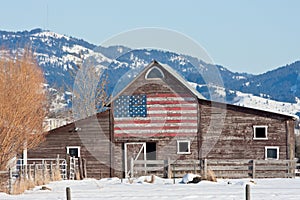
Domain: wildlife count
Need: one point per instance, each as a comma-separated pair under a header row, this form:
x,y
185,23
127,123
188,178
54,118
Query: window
x,y
73,151
271,153
183,147
260,132
154,72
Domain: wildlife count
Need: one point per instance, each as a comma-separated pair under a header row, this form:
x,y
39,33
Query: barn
x,y
160,124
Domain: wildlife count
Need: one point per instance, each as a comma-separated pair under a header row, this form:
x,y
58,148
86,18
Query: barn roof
x,y
171,71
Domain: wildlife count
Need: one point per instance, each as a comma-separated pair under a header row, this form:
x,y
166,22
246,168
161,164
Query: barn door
x,y
135,150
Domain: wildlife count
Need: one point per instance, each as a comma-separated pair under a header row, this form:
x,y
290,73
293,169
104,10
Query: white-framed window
x,y
183,147
271,153
154,73
260,132
73,151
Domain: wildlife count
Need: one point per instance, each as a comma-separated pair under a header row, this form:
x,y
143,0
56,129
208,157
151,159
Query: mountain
x,y
59,56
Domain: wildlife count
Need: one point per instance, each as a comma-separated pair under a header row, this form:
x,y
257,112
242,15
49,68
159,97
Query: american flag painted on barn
x,y
155,115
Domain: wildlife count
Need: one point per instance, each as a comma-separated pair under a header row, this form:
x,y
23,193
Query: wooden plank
x,y
182,168
271,168
139,169
265,162
154,162
229,168
224,162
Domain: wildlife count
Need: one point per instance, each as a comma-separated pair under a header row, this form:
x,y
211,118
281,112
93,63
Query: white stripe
x,y
156,125
171,105
157,131
170,111
171,99
155,118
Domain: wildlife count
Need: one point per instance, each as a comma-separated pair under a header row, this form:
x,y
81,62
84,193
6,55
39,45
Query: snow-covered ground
x,y
114,188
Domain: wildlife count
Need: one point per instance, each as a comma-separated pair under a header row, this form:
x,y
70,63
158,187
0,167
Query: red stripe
x,y
154,135
172,115
155,128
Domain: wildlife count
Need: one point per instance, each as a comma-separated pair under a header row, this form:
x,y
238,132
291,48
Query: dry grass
x,y
211,176
56,175
22,184
77,175
151,180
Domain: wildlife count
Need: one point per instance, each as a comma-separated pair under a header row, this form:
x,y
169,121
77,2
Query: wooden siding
x,y
236,138
92,137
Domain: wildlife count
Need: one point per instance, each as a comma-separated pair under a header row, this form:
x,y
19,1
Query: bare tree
x,y
22,105
89,90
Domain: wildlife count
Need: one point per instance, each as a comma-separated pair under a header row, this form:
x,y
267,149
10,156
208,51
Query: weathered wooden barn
x,y
160,117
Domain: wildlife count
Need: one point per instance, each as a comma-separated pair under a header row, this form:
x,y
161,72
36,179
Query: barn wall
x,y
166,146
168,85
92,137
236,138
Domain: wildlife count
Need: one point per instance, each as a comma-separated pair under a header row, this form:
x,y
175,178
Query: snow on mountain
x,y
251,101
59,56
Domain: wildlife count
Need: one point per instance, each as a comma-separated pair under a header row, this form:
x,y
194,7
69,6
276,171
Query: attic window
x,y
154,73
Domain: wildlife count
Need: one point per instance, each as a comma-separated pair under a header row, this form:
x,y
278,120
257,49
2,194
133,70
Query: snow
x,y
115,189
251,101
261,102
188,177
46,34
239,77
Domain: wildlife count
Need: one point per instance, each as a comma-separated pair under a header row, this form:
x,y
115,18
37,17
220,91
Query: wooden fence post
x,y
25,172
169,168
29,172
174,173
205,168
10,187
45,172
84,168
247,192
68,193
80,166
35,172
51,171
68,165
253,169
131,167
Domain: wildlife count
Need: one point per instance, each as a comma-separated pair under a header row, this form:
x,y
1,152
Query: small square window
x,y
271,153
183,147
260,132
73,151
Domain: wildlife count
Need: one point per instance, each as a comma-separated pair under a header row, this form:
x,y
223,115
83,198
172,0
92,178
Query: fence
x,y
239,168
39,162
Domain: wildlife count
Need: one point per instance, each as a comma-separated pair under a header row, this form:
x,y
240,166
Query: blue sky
x,y
247,36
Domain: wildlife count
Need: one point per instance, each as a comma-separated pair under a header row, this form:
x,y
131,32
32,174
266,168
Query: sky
x,y
252,36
